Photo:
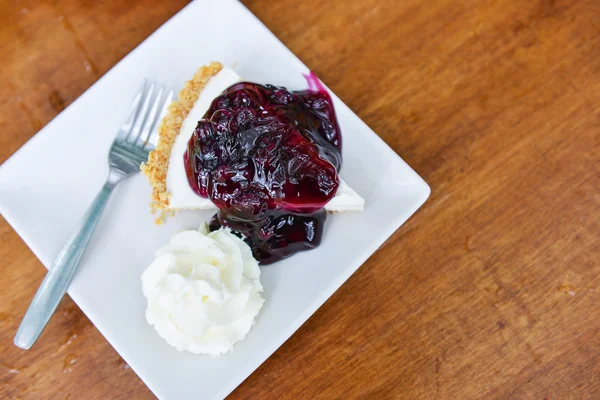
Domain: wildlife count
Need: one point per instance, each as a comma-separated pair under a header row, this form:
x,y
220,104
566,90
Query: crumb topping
x,y
158,159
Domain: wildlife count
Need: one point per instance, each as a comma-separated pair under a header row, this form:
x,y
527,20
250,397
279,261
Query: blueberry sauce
x,y
268,159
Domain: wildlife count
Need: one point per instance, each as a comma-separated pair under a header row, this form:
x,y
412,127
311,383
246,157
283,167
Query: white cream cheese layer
x,y
182,195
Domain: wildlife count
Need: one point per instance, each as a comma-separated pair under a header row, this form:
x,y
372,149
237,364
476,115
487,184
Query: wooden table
x,y
491,291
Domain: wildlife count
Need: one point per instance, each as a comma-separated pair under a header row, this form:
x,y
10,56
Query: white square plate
x,y
47,185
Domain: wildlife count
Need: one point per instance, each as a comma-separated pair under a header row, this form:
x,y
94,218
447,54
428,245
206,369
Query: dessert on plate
x,y
265,158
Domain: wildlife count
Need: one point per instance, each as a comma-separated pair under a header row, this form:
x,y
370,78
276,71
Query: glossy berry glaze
x,y
268,159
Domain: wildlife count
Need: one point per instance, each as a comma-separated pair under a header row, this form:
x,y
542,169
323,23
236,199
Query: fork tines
x,y
148,108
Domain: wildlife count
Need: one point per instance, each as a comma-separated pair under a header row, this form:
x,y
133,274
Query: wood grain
x,y
492,290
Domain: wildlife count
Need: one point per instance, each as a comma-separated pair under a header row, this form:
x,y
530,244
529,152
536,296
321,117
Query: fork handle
x,y
61,272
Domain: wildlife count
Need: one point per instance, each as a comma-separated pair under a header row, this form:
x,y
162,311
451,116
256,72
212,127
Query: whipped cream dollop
x,y
182,195
203,291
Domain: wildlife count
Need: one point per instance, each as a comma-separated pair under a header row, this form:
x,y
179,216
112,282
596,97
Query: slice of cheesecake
x,y
165,167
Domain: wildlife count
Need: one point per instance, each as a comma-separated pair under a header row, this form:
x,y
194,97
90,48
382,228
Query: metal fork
x,y
135,139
